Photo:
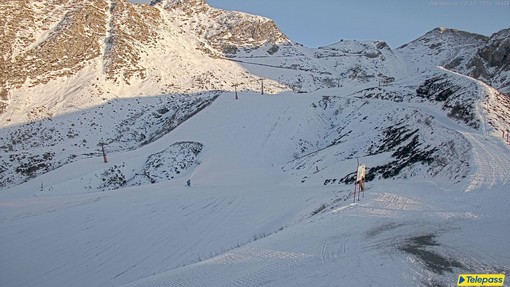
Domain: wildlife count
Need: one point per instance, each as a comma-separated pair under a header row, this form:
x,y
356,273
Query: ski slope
x,y
245,221
372,242
354,244
491,163
268,203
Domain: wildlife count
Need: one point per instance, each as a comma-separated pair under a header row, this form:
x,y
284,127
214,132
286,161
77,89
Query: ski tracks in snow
x,y
492,164
334,250
382,205
247,266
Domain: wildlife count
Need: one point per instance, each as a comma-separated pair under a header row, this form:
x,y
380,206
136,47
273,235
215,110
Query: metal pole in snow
x,y
360,180
363,184
364,175
356,180
355,192
104,153
235,90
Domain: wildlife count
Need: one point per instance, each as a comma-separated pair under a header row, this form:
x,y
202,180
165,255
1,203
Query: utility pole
x,y
235,90
356,180
262,86
102,144
359,184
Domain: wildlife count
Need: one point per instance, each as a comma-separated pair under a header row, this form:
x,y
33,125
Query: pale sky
x,y
316,23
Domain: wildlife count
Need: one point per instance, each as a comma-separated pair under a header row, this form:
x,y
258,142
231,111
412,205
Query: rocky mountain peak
x,y
61,38
226,32
166,3
188,5
497,50
444,36
441,30
439,47
492,62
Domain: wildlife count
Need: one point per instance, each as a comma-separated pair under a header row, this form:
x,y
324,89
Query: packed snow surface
x,y
248,221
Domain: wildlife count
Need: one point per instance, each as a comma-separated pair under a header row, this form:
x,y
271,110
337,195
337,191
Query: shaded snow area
x,y
270,201
126,124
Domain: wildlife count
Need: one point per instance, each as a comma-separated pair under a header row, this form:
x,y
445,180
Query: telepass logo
x,y
481,280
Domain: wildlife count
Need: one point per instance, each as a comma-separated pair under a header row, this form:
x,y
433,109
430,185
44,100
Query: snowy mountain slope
x,y
126,52
98,50
492,62
247,221
271,192
188,46
305,69
399,138
497,113
438,47
477,56
44,145
395,140
222,32
394,237
150,50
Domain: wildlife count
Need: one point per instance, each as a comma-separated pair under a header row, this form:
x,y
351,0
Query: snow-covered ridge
x,y
221,32
480,57
439,47
368,48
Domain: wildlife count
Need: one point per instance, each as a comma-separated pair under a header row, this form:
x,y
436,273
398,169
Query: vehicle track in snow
x,y
492,163
249,266
335,249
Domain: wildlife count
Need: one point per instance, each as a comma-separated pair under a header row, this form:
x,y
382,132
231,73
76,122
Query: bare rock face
x,y
129,26
246,33
48,39
58,54
497,50
57,38
226,32
492,62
